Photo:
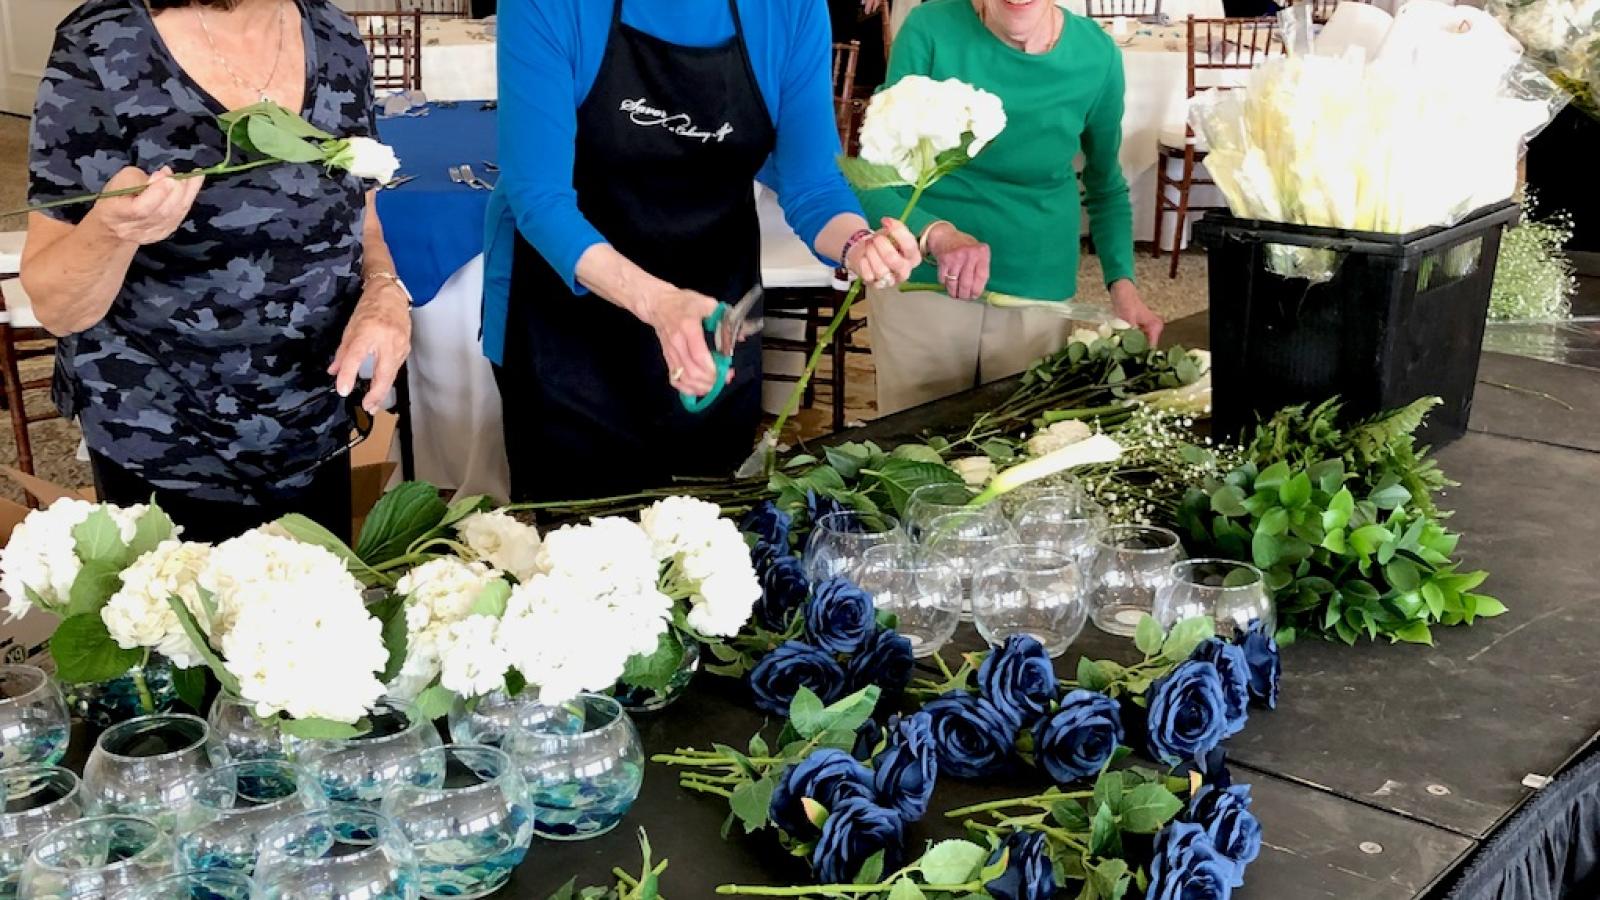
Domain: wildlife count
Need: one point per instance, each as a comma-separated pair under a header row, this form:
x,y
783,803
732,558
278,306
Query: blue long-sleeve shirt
x,y
550,52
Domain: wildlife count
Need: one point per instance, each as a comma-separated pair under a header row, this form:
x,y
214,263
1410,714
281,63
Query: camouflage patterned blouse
x,y
208,373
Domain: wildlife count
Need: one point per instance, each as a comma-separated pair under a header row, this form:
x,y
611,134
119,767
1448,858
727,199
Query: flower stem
x,y
824,341
139,189
1043,801
706,789
840,890
147,702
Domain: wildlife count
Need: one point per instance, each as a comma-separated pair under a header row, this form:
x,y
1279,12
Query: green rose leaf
x,y
84,651
843,716
270,139
871,871
319,729
1104,839
1108,792
1092,674
952,861
1148,807
1110,879
805,712
98,539
848,459
149,531
751,802
1134,341
1148,636
906,889
1185,636
917,453
1069,814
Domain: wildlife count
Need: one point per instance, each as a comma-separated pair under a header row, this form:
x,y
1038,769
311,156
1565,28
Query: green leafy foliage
x,y
405,515
1344,556
84,651
319,729
654,670
190,685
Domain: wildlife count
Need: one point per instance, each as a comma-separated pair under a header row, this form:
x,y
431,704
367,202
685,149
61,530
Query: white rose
x,y
974,470
1058,435
366,158
1084,336
503,542
1202,358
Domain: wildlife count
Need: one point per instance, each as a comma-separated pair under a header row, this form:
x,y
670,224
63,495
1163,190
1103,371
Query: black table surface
x,y
1383,766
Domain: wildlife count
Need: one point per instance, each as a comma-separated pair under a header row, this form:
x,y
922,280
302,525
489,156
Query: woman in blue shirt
x,y
631,134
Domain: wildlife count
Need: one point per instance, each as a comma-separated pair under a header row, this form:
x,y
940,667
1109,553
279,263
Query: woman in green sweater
x,y
1009,220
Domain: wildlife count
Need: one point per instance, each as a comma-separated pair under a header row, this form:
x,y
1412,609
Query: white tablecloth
x,y
458,60
455,406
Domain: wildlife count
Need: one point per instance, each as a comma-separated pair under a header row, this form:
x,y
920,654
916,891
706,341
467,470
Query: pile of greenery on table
x,y
1343,522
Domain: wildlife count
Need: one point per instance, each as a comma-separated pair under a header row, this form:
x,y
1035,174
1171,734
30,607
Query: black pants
x,y
326,501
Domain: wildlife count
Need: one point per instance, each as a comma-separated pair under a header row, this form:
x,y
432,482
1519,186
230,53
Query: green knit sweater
x,y
1020,195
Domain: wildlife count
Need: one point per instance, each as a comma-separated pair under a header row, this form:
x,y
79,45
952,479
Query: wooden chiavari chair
x,y
1132,9
394,41
1217,47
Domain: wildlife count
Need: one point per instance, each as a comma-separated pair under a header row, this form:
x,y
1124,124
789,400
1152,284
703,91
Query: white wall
x,y
27,30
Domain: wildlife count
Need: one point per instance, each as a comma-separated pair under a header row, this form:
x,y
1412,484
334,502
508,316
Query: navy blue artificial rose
x,y
1079,739
1188,712
769,524
856,829
1225,815
839,617
885,659
784,588
1261,654
1187,867
764,556
904,774
1019,679
1029,874
869,735
819,505
827,776
974,738
780,675
1235,673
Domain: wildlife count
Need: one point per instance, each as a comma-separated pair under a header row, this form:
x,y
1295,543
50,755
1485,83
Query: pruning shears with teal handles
x,y
726,326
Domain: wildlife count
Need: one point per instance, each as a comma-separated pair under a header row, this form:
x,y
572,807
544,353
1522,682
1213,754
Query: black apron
x,y
669,141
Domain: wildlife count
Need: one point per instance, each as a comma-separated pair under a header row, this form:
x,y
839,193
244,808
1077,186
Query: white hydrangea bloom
x,y
291,625
138,614
911,122
572,627
438,594
709,553
42,552
503,542
472,663
974,470
1056,436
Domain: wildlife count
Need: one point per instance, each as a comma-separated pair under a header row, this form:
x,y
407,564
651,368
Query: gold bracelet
x,y
922,242
392,279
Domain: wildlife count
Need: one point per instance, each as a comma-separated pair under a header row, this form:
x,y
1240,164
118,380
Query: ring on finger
x,y
676,374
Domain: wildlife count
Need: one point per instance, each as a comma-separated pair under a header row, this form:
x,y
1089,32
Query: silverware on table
x,y
492,167
474,180
395,182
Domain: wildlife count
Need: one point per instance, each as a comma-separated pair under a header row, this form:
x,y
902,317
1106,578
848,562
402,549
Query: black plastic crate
x,y
1401,318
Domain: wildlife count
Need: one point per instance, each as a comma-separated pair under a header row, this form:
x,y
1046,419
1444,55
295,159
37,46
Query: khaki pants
x,y
926,345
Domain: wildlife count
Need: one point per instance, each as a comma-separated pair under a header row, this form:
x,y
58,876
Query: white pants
x,y
926,345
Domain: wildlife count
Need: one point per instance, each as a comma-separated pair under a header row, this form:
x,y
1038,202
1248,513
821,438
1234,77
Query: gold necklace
x,y
277,59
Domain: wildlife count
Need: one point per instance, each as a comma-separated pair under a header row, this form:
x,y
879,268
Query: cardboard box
x,y
25,640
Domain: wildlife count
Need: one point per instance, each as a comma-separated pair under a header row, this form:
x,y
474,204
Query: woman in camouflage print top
x,y
209,332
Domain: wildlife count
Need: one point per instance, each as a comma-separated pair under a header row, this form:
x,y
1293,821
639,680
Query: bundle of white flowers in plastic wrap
x,y
1562,38
1410,126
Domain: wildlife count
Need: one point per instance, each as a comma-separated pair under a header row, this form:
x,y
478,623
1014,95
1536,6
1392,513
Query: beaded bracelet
x,y
850,244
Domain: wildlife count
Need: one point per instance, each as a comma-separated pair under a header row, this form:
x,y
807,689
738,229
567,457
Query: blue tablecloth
x,y
433,225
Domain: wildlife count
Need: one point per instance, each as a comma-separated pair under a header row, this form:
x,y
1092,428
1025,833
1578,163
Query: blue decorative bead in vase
x,y
583,764
487,720
143,691
470,830
638,700
363,768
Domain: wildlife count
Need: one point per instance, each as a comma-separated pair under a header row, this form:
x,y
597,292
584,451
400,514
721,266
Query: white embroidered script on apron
x,y
640,112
